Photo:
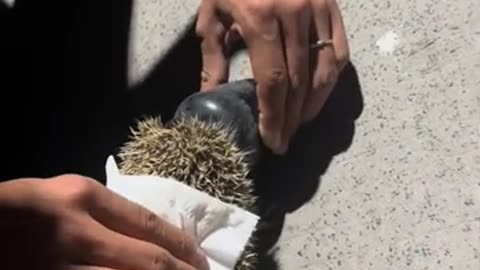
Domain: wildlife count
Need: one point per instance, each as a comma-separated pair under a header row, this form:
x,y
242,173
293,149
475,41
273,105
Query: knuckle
x,y
320,83
76,187
260,8
208,24
212,30
274,78
297,81
200,28
202,19
162,260
320,4
295,6
273,83
330,2
325,80
151,222
257,18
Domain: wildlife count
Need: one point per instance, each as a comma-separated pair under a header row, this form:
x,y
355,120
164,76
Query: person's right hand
x,y
72,222
294,76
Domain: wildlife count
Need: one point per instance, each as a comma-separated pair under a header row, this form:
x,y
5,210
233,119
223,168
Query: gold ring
x,y
321,43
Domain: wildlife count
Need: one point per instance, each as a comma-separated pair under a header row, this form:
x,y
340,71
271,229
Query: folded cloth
x,y
221,230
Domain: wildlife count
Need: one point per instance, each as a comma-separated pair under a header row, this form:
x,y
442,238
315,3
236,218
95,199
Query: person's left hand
x,y
293,79
72,222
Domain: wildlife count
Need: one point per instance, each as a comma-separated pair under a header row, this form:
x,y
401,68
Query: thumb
x,y
212,33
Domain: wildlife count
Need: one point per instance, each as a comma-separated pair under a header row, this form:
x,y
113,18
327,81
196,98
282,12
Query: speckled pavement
x,y
406,194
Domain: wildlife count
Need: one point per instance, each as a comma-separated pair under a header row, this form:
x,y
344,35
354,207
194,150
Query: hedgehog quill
x,y
211,144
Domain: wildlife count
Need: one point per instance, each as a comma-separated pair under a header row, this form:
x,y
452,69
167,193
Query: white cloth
x,y
222,230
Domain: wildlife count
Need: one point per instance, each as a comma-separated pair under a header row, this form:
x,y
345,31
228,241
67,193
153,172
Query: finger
x,y
324,63
295,18
114,250
212,33
262,37
339,36
131,219
325,76
86,267
321,19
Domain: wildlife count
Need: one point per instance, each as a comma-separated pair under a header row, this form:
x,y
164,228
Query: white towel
x,y
222,230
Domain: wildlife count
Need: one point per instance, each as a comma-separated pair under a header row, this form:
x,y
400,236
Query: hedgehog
x,y
211,144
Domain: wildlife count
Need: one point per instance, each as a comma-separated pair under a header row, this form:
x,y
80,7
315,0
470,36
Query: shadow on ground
x,y
65,99
170,81
64,102
285,183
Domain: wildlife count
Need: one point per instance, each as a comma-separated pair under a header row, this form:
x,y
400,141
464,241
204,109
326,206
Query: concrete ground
x,y
406,193
402,192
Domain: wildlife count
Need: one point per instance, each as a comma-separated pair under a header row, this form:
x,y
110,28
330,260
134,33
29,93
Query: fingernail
x,y
280,147
272,139
276,143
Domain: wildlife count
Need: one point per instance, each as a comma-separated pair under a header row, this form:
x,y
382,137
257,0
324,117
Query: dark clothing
x,y
64,99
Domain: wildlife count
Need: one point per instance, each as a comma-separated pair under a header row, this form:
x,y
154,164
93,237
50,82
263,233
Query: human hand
x,y
72,222
293,79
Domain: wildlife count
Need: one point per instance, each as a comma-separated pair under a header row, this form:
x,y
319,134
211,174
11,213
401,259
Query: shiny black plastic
x,y
233,104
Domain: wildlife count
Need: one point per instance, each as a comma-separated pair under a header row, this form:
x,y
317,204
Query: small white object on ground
x,y
388,43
